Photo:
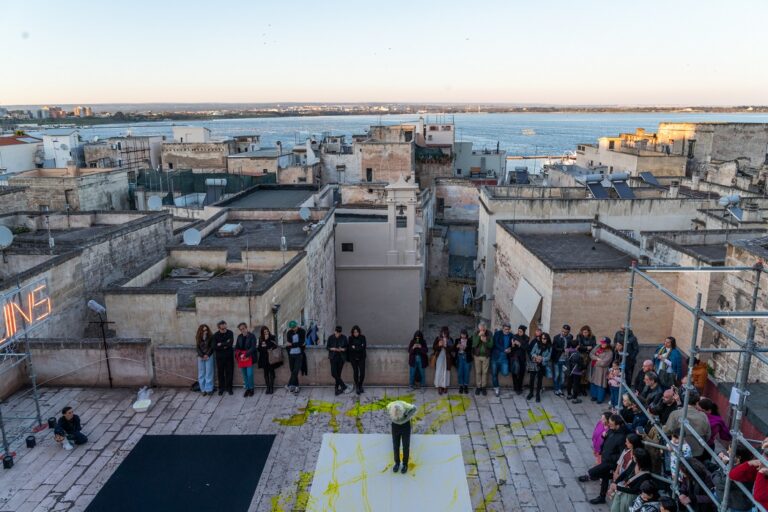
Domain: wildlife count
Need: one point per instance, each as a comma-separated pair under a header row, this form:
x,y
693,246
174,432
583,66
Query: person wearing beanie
x,y
295,343
400,413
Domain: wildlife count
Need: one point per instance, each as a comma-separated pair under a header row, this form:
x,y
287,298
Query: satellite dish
x,y
723,201
155,203
96,138
192,237
6,237
305,214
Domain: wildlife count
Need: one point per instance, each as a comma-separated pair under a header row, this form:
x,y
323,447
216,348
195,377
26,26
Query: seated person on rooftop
x,y
68,428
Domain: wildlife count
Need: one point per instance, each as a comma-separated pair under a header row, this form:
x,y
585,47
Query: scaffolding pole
x,y
747,350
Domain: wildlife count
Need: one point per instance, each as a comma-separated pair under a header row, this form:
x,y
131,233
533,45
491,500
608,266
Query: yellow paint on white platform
x,y
354,473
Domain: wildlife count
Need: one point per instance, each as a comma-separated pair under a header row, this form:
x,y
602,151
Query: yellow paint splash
x,y
363,476
551,428
300,496
312,407
483,505
446,408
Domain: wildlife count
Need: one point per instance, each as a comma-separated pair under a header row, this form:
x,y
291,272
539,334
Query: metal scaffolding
x,y
15,352
747,350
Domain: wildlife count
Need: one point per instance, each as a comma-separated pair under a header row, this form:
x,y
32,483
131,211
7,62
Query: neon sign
x,y
23,309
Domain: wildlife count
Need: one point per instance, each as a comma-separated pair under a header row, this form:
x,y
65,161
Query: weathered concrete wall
x,y
297,174
736,295
331,172
82,362
460,199
633,161
384,301
365,193
13,199
208,156
718,141
427,173
321,278
251,166
99,191
599,299
13,379
388,160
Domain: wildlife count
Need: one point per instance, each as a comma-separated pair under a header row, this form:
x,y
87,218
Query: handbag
x,y
531,366
243,359
275,356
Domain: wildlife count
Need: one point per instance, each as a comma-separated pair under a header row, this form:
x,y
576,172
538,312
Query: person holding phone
x,y
417,359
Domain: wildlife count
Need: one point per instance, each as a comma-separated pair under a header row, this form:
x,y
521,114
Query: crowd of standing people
x,y
635,442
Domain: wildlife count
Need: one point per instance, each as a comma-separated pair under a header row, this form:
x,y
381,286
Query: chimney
x,y
72,169
751,213
695,181
674,190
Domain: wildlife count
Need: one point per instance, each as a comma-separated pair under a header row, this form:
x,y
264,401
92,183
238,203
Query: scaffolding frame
x,y
9,351
747,350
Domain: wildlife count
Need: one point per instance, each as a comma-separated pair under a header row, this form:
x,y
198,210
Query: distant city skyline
x,y
557,52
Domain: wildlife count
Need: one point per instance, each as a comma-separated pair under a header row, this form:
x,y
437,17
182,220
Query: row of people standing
x,y
224,351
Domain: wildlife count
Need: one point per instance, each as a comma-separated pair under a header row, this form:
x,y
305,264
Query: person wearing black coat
x,y
610,452
560,342
266,343
518,358
585,342
337,351
296,344
223,343
356,349
632,348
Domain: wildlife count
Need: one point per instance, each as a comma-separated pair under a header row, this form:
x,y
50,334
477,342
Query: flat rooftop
x,y
260,235
62,172
572,251
270,198
516,456
229,282
711,252
68,236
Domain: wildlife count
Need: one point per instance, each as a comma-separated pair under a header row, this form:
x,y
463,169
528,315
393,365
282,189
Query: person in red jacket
x,y
753,471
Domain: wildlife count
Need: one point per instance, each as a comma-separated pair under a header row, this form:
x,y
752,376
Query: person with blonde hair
x,y
400,413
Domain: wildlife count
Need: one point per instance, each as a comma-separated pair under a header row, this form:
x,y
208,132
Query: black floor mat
x,y
186,473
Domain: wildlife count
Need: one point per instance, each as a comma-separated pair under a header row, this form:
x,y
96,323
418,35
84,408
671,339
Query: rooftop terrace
x,y
270,198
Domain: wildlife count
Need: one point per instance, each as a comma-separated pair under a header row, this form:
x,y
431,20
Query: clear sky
x,y
532,51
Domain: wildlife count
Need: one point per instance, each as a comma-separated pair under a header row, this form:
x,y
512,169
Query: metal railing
x,y
747,350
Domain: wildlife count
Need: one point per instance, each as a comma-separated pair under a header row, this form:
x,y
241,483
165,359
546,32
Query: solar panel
x,y
650,179
597,190
623,190
521,177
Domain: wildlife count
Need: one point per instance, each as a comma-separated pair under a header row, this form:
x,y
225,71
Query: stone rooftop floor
x,y
518,455
230,281
574,251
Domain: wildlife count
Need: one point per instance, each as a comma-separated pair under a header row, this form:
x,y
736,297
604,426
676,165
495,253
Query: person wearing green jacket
x,y
482,343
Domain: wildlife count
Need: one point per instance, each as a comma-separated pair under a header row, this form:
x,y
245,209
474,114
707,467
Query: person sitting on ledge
x,y
68,428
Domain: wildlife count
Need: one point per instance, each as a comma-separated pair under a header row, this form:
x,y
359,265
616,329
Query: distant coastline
x,y
120,117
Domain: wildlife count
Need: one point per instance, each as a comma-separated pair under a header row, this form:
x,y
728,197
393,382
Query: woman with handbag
x,y
539,355
270,357
245,352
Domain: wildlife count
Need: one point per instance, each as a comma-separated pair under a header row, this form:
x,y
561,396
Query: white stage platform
x,y
354,473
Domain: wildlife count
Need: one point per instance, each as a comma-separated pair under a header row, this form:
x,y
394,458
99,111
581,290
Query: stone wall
x,y
329,168
388,160
97,191
321,277
737,296
427,173
208,156
13,199
252,166
461,199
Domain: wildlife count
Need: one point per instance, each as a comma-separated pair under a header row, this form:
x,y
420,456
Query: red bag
x,y
243,359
